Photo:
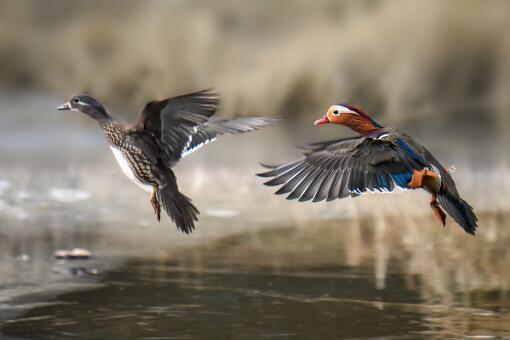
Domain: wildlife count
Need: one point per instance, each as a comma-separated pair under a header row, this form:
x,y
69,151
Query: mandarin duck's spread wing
x,y
337,169
210,130
171,122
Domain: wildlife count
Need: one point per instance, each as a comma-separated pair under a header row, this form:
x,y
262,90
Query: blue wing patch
x,y
384,182
402,179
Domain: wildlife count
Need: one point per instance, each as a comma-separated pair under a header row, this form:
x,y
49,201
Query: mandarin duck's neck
x,y
365,126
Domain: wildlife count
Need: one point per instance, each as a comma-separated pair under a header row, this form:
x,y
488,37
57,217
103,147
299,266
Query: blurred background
x,y
378,266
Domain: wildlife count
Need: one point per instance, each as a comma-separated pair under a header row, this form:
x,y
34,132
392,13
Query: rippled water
x,y
280,283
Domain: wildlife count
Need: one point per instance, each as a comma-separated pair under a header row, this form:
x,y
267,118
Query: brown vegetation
x,y
399,58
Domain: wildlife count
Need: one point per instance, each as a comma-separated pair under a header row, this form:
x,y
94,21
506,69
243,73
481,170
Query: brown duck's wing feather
x,y
342,168
210,130
171,122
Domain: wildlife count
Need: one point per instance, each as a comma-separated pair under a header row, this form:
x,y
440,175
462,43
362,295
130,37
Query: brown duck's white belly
x,y
127,170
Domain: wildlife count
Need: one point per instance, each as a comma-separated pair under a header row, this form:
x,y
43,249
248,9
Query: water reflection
x,y
353,279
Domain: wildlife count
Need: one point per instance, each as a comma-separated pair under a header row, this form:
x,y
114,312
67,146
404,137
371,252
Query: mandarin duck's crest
x,y
350,115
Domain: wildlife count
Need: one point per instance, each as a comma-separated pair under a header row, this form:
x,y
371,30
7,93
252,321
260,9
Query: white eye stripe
x,y
339,109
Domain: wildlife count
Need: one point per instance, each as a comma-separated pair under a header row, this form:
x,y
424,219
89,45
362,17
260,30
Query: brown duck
x,y
165,132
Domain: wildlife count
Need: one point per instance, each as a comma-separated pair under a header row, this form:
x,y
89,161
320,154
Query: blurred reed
x,y
398,58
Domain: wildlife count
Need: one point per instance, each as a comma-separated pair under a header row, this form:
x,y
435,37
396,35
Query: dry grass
x,y
398,58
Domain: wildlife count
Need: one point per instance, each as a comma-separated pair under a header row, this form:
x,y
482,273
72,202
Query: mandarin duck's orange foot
x,y
380,159
155,204
438,212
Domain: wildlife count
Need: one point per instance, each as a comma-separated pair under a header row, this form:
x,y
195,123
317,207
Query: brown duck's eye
x,y
335,112
76,100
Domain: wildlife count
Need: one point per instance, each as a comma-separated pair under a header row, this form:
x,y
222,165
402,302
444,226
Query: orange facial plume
x,y
349,116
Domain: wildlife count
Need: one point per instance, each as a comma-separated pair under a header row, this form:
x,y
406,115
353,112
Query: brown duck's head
x,y
87,105
351,116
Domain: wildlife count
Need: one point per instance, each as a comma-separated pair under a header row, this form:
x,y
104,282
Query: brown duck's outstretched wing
x,y
210,130
345,167
171,122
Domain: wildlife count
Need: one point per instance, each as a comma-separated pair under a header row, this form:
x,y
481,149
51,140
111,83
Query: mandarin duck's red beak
x,y
323,120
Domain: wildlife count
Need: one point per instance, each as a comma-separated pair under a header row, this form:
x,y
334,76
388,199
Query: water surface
x,y
279,283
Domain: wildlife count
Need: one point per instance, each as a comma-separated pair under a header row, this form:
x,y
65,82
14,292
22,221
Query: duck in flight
x,y
378,160
166,131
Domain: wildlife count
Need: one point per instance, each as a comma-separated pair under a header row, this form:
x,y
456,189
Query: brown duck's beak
x,y
64,106
323,120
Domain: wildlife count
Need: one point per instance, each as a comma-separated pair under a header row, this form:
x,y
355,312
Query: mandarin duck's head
x,y
85,104
351,116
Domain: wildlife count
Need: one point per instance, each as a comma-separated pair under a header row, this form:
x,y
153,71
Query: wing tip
x,y
208,91
267,173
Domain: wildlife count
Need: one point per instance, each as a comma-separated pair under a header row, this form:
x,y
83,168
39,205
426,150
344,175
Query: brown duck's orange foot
x,y
155,204
438,212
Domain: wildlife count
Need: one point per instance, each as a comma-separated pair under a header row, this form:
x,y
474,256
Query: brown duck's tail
x,y
459,210
179,208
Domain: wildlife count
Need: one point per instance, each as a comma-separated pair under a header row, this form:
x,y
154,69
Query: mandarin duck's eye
x,y
76,100
335,112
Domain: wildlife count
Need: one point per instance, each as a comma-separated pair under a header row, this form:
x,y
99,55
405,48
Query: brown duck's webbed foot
x,y
155,204
438,212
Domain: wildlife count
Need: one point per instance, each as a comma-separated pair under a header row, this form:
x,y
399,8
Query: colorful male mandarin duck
x,y
375,161
165,132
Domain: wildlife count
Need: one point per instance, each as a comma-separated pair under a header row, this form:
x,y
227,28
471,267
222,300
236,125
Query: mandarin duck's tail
x,y
459,210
